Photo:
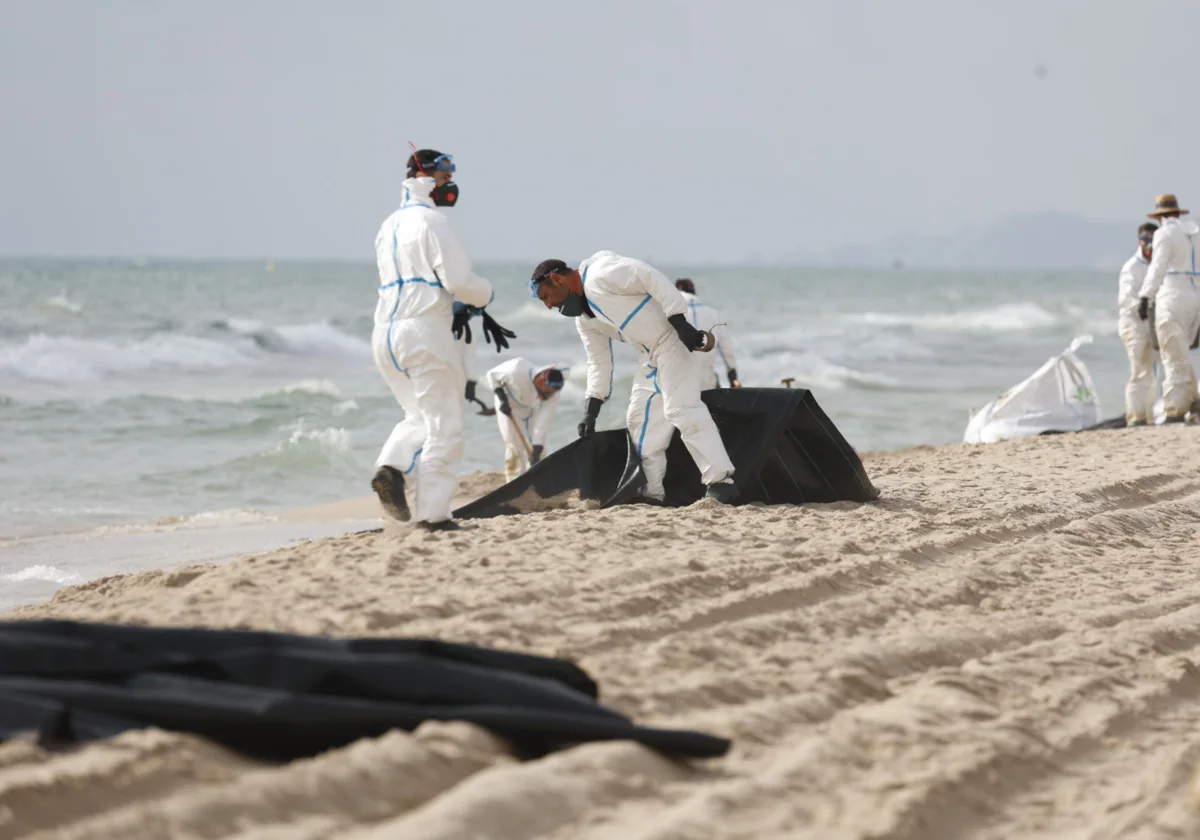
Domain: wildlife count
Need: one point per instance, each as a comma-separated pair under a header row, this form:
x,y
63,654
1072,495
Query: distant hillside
x,y
1050,240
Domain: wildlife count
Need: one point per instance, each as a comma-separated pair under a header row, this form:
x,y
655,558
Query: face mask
x,y
446,195
573,306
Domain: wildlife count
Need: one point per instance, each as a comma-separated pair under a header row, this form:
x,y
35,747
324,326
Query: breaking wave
x,y
69,359
1003,318
46,573
245,344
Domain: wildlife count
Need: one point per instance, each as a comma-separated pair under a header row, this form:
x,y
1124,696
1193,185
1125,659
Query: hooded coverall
x,y
631,302
1171,283
530,412
1135,335
423,269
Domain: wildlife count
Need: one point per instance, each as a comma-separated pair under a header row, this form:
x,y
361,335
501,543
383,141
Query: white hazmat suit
x,y
1135,335
423,269
702,316
1171,283
632,302
530,413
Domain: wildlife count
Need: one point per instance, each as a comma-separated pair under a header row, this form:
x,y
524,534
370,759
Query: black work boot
x,y
388,485
725,493
444,525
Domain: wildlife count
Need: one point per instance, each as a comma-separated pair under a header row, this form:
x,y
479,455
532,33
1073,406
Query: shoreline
x,y
35,566
1006,643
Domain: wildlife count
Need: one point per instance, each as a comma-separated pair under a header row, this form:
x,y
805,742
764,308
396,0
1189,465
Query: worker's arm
x,y
541,422
653,282
1159,261
450,262
598,348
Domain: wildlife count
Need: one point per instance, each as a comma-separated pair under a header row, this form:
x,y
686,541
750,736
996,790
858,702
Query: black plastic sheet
x,y
280,696
784,448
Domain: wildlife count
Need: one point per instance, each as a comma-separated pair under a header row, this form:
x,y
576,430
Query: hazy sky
x,y
684,131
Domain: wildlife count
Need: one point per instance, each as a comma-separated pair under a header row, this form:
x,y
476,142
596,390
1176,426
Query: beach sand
x,y
1006,644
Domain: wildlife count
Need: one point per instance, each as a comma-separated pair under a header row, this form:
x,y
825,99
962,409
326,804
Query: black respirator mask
x,y
446,195
574,306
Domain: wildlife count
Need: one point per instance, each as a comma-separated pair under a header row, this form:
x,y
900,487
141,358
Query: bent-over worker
x,y
526,399
616,297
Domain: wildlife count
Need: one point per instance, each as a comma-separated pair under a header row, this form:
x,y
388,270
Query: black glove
x,y
537,454
588,427
691,337
733,380
505,408
494,333
470,390
461,324
1144,308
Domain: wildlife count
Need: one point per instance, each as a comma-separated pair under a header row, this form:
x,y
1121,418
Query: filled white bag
x,y
1059,396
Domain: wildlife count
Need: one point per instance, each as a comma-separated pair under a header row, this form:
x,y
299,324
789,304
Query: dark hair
x,y
546,267
683,284
425,157
1148,227
554,376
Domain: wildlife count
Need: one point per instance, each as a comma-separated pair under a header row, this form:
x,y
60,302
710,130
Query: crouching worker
x,y
614,297
526,400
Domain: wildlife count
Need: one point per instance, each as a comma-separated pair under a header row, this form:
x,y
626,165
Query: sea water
x,y
133,391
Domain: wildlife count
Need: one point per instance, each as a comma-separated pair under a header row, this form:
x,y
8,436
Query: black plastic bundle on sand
x,y
784,448
279,696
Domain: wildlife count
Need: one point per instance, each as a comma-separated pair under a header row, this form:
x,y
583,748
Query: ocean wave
x,y
317,339
204,519
857,345
1003,318
69,359
811,370
314,387
52,574
529,312
63,303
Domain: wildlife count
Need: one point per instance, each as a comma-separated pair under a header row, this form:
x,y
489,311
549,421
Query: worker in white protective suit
x,y
1135,332
526,399
614,297
1171,284
703,316
423,269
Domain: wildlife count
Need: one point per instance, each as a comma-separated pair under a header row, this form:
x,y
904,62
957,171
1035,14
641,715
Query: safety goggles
x,y
544,382
441,163
1146,238
541,278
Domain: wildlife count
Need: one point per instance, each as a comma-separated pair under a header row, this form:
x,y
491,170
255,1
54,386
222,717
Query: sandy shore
x,y
1006,644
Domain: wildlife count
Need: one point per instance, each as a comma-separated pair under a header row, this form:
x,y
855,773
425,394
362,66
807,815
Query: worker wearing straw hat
x,y
1171,284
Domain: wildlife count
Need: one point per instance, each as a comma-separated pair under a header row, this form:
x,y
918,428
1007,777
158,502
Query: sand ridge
x,y
1005,644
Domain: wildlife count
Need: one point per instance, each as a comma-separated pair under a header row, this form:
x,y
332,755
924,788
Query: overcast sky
x,y
685,131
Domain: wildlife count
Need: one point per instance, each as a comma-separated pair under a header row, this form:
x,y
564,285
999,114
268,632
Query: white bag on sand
x,y
1059,396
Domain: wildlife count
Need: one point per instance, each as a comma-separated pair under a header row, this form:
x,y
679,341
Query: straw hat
x,y
1165,203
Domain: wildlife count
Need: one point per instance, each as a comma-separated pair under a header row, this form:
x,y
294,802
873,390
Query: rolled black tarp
x,y
280,696
784,448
